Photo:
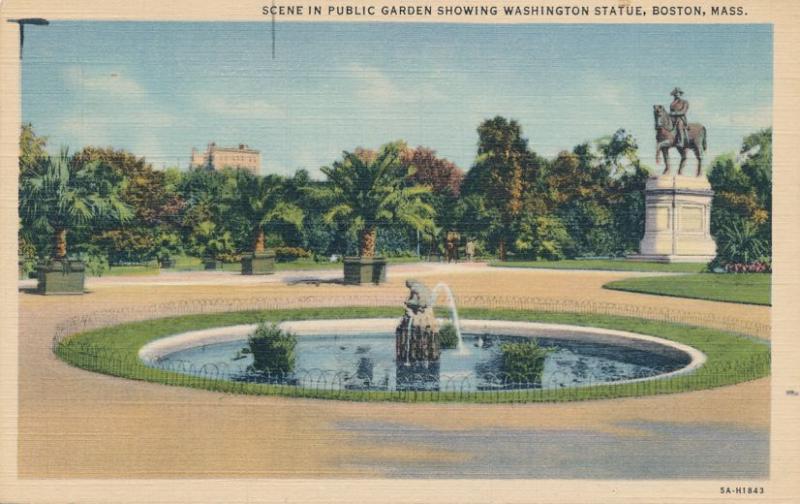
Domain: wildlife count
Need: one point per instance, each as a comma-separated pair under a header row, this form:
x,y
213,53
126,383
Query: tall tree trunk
x,y
258,243
501,249
60,242
368,235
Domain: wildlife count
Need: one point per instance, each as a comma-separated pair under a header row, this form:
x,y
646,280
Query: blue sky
x,y
158,89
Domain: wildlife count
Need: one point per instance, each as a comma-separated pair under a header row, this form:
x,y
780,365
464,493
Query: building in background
x,y
217,158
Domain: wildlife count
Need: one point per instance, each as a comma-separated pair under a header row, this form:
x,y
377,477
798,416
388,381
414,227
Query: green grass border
x,y
732,358
603,265
724,287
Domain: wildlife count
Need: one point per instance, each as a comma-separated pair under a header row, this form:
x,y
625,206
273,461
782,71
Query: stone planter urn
x,y
259,263
361,270
61,276
211,264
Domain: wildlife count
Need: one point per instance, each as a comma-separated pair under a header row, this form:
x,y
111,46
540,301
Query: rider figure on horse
x,y
677,110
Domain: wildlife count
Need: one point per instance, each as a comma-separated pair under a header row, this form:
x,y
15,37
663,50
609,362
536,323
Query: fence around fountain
x,y
329,384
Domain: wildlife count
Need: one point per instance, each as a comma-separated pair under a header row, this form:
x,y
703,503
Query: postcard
x,y
399,251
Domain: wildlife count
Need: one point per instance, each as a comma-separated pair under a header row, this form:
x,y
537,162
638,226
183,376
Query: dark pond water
x,y
368,362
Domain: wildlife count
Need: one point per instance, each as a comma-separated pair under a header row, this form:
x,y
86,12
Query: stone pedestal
x,y
677,221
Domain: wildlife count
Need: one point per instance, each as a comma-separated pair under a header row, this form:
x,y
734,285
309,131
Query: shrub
x,y
524,361
27,254
448,337
286,254
543,237
95,260
272,349
741,249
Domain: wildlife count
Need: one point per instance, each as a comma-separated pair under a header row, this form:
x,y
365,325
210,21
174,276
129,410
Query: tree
x,y
441,175
372,193
741,211
261,201
31,150
154,201
67,194
502,170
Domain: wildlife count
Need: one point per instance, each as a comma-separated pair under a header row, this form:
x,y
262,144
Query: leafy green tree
x,y
154,201
210,241
741,212
543,237
260,202
371,194
502,170
207,195
67,194
32,150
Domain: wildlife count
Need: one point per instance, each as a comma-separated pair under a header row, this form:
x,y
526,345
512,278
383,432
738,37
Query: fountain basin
x,y
335,343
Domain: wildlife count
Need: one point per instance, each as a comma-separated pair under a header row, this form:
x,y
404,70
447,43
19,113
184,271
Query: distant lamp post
x,y
22,23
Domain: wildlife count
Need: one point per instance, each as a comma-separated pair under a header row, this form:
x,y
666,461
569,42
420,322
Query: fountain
x,y
451,303
359,354
417,335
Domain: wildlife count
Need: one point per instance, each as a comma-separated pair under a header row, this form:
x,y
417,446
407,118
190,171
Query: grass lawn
x,y
731,358
139,270
187,263
605,265
748,288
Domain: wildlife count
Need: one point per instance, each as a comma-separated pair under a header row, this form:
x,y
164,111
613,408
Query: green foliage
x,y
503,172
27,254
95,260
32,151
543,237
273,349
370,192
523,361
285,254
258,202
66,193
167,245
448,337
741,213
740,242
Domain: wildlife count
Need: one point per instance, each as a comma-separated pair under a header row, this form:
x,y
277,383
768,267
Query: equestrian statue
x,y
673,130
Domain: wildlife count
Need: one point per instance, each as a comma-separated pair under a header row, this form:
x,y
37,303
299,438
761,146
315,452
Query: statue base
x,y
677,221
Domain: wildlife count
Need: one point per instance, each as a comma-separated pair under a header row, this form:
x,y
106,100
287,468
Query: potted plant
x,y
62,194
167,246
368,192
262,201
213,244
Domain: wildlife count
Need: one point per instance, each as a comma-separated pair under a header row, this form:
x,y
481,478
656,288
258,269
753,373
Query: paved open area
x,y
77,424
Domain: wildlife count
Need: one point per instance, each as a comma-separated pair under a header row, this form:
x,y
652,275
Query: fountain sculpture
x,y
417,335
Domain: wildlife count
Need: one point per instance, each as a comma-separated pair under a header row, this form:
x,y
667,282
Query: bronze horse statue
x,y
667,137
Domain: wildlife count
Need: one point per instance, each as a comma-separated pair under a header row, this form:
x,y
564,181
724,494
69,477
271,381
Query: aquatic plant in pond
x,y
273,349
448,337
524,361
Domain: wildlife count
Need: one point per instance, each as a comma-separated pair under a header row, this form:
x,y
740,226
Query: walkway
x,y
78,424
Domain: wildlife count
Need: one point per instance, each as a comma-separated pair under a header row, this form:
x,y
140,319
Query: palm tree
x,y
372,191
261,201
63,194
